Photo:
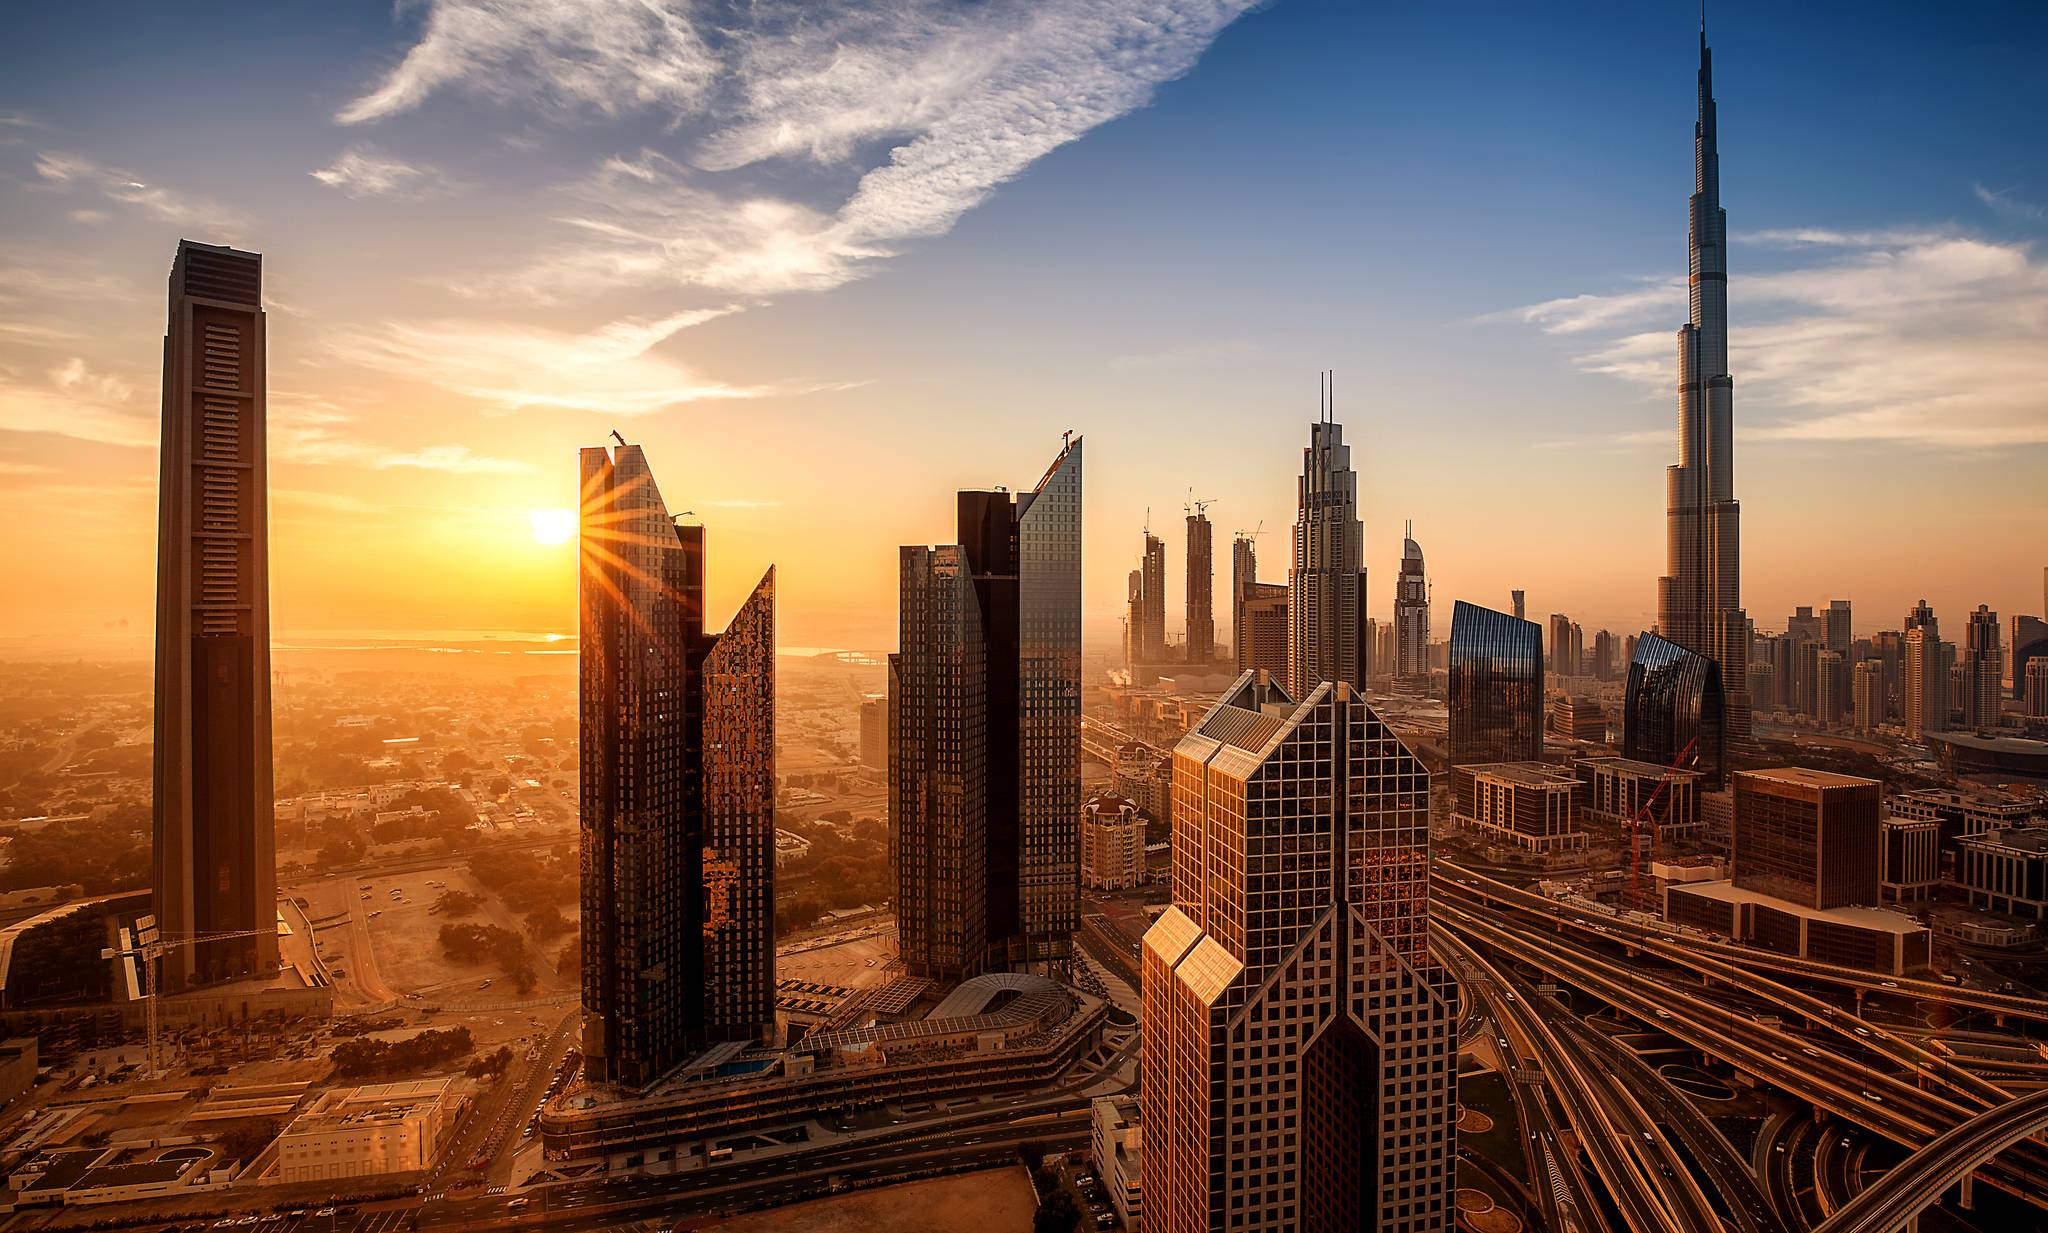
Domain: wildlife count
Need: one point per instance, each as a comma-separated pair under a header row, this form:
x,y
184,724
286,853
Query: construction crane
x,y
148,949
1642,818
1198,506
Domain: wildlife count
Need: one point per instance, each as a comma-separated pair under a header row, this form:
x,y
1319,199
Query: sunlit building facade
x,y
1244,574
1326,630
215,839
1927,677
1983,664
1496,686
1699,599
1299,1061
677,763
1002,756
1808,837
1112,844
1262,629
1152,602
1673,712
1411,614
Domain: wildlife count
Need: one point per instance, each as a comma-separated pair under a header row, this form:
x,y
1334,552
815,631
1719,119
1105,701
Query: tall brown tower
x,y
215,857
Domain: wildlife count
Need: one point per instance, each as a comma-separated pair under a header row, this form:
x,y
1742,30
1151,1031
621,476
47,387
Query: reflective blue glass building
x,y
1496,687
1674,711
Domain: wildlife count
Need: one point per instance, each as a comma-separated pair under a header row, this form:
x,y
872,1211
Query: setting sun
x,y
552,526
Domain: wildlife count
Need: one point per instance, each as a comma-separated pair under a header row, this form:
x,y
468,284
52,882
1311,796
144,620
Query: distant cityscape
x,y
1300,920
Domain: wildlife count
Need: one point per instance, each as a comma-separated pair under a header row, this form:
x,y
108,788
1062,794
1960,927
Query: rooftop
x,y
2032,839
1636,766
1528,774
1806,778
1878,919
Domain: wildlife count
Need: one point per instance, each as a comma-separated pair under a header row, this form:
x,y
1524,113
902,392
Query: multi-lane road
x,y
1863,1074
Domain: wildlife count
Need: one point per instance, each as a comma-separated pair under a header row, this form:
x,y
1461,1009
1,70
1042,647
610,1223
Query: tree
x,y
456,903
1058,1213
369,1057
492,1064
546,921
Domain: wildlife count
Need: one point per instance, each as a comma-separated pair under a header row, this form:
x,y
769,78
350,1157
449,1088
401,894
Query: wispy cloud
x,y
308,429
1579,314
360,171
74,400
935,105
577,54
74,171
613,369
1917,336
2002,201
457,458
32,278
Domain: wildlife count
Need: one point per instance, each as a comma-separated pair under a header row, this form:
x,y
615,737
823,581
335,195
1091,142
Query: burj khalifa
x,y
1699,600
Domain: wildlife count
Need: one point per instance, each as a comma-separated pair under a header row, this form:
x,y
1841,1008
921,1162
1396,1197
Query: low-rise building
x,y
1618,789
1532,804
1961,813
1873,939
1112,844
995,1033
1118,1141
1911,856
2007,871
356,1132
1576,718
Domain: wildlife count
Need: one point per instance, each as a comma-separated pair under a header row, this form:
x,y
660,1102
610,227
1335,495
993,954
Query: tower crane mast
x,y
148,950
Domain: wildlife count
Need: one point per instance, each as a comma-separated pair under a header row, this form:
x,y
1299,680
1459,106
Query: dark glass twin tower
x,y
677,745
984,734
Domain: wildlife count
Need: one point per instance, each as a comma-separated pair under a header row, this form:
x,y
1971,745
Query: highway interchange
x,y
1854,1071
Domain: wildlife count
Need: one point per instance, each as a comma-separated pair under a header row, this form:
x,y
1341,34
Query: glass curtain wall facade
x,y
1018,730
677,748
1048,721
938,774
1699,599
1298,1070
1496,687
215,836
1673,711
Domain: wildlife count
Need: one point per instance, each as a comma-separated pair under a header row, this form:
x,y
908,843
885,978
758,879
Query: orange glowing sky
x,y
828,268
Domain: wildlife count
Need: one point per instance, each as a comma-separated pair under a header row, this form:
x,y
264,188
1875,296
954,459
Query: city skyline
x,y
1299,918
398,456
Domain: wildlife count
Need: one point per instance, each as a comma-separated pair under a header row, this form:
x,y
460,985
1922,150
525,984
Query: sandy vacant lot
x,y
995,1201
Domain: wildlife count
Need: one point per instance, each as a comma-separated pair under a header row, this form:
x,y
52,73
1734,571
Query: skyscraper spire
x,y
1699,600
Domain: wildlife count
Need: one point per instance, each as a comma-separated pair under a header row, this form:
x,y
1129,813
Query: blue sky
x,y
830,263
